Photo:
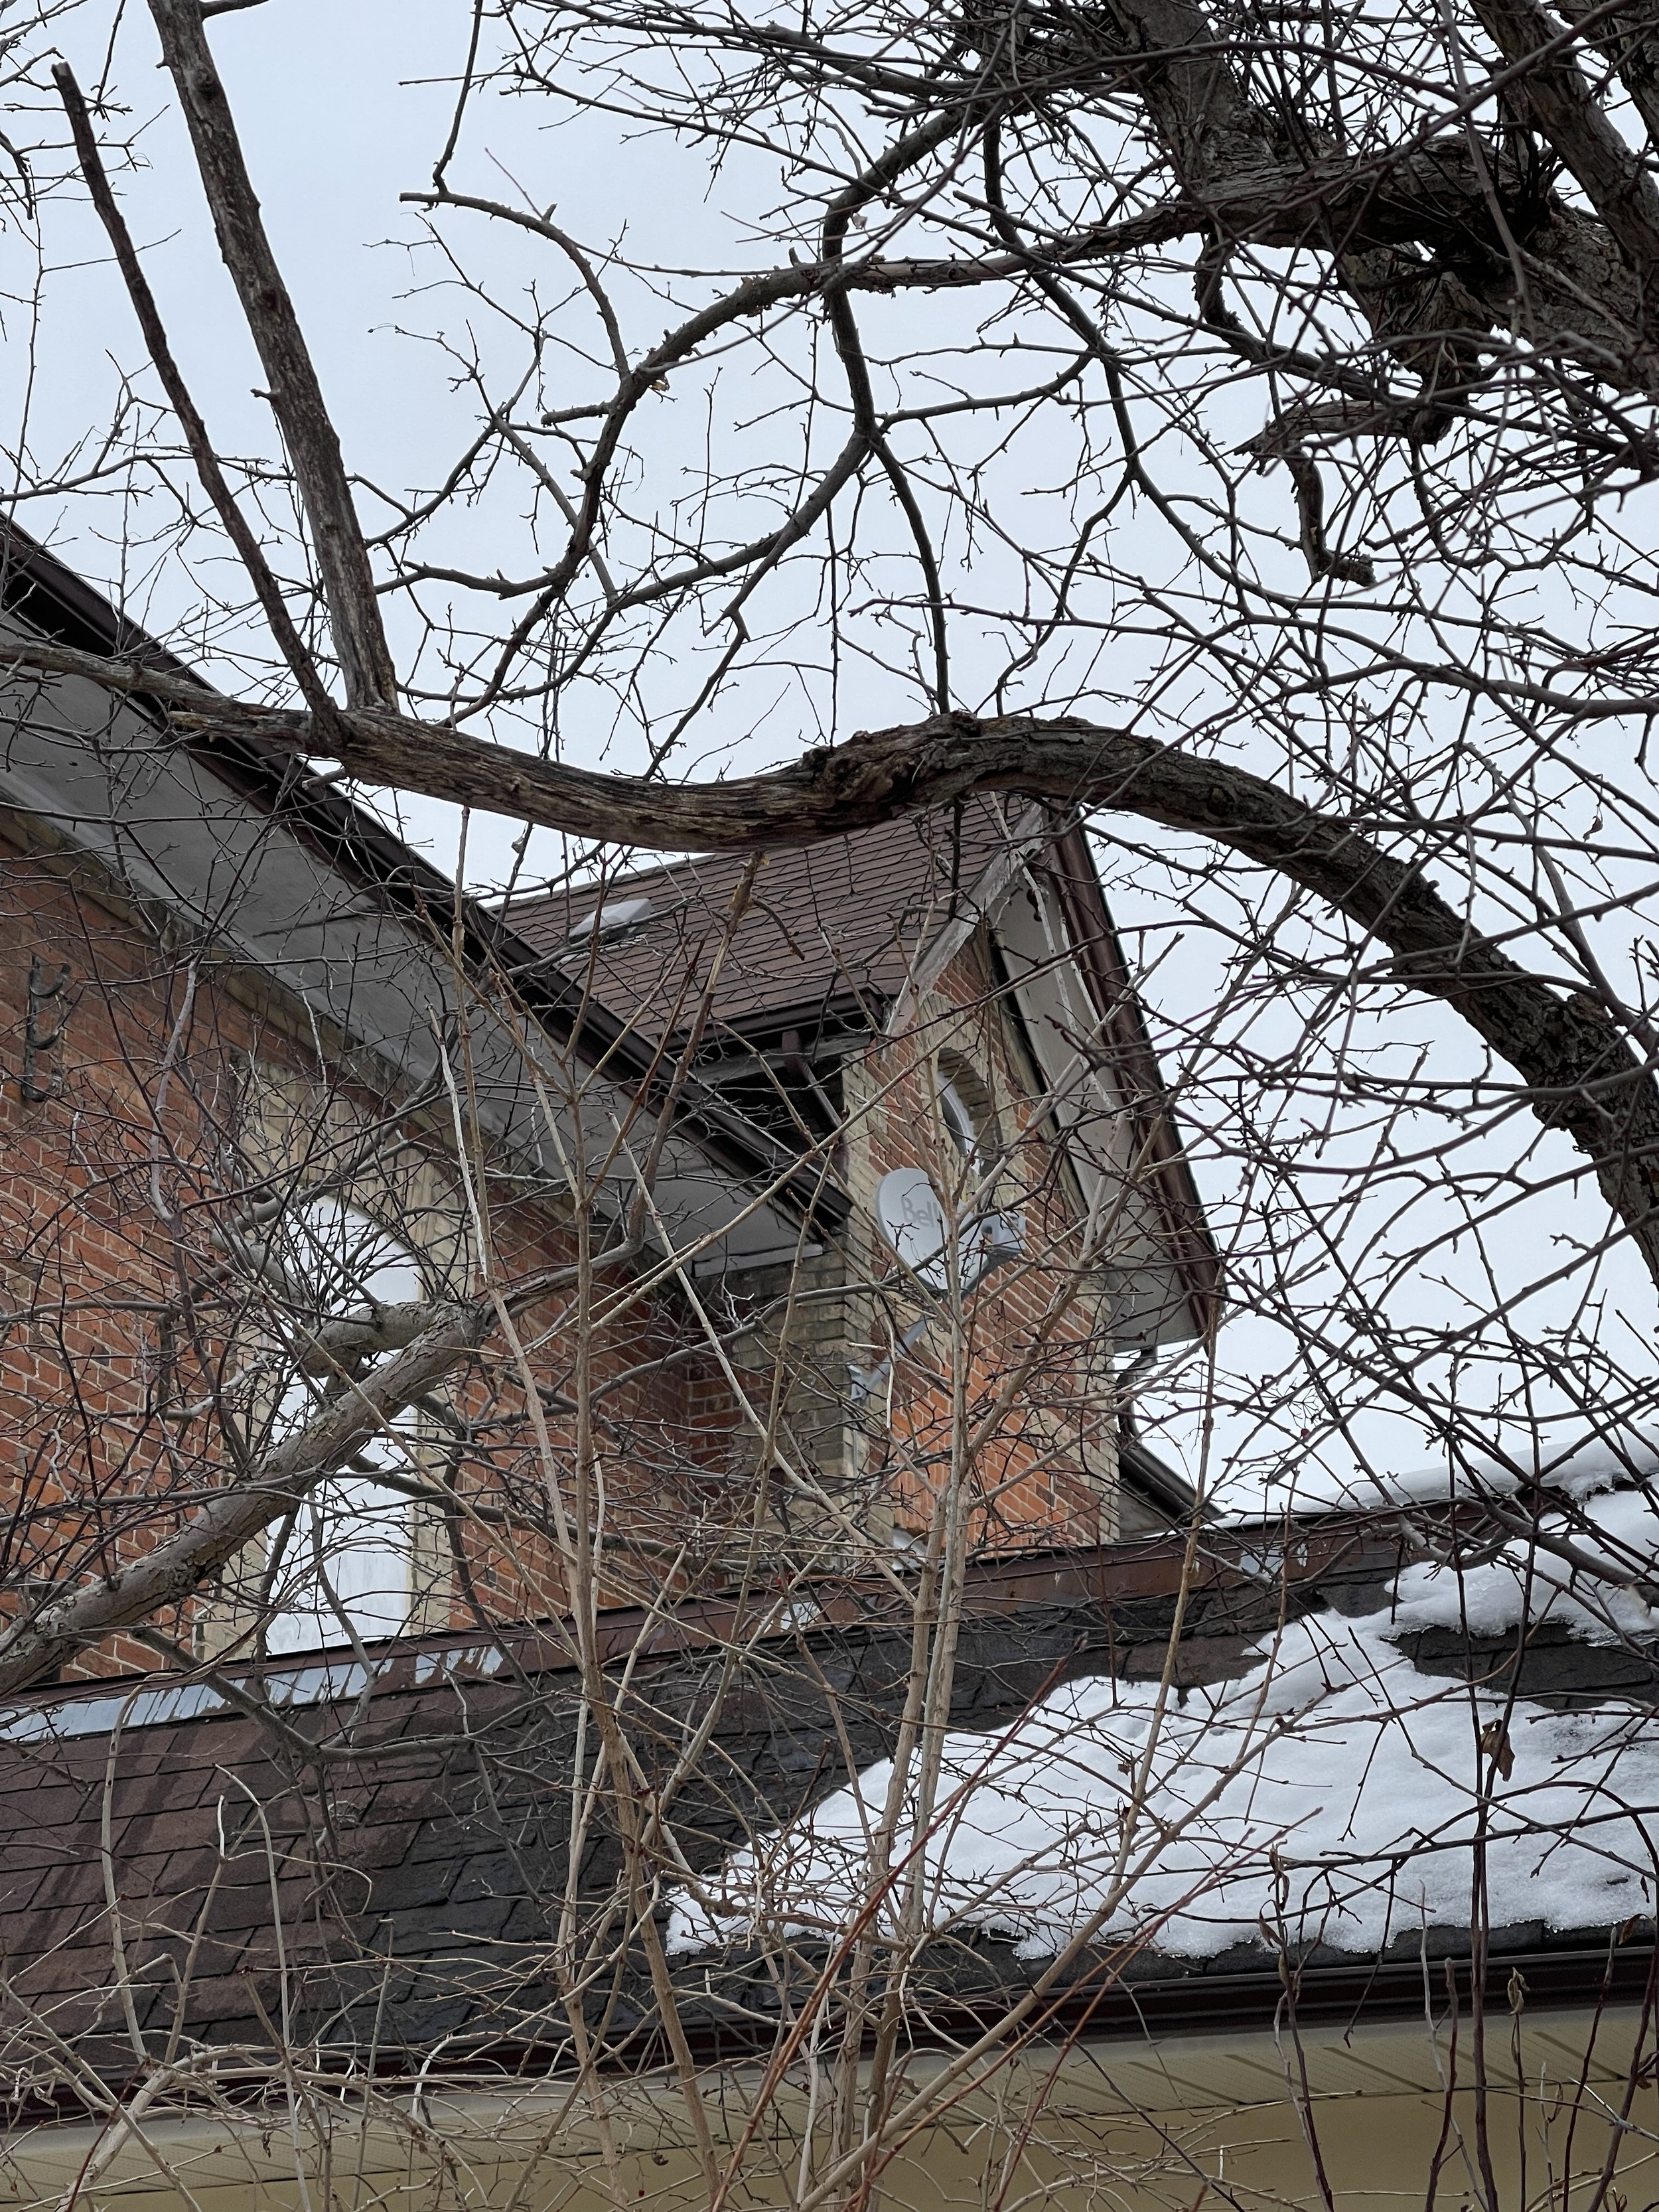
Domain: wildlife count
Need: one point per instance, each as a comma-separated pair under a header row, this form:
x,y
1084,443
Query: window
x,y
958,1121
345,1565
915,1205
965,1111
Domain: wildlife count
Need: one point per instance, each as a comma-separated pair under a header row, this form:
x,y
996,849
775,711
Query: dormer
x,y
936,1017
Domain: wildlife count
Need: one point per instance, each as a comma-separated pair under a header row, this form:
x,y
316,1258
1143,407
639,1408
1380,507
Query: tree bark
x,y
1553,90
37,1646
295,394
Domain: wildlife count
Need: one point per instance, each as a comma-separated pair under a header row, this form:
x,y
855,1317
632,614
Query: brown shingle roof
x,y
835,923
419,1867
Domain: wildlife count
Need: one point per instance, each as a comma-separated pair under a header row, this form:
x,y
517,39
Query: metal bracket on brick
x,y
44,988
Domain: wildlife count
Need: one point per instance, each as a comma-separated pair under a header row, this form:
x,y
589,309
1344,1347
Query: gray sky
x,y
342,105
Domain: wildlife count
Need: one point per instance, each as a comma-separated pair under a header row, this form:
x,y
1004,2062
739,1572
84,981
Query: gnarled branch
x,y
295,393
1580,1072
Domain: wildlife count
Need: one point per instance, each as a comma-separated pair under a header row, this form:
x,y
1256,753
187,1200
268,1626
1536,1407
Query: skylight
x,y
606,921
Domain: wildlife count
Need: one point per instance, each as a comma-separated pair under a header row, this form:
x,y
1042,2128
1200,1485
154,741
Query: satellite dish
x,y
912,1220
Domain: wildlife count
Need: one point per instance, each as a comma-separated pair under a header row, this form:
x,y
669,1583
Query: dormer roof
x,y
843,940
831,932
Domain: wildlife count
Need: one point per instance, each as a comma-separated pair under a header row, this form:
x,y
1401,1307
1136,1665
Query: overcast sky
x,y
342,105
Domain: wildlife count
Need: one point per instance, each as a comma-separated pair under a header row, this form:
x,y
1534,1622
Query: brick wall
x,y
185,1093
1042,1466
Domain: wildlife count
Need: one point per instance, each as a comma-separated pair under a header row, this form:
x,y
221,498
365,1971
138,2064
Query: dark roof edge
x,y
1451,1979
1361,1547
351,841
1443,1975
1448,1977
1152,1480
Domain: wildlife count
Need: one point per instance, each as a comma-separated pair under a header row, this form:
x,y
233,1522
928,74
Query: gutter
x,y
1435,1978
1244,1582
1597,1976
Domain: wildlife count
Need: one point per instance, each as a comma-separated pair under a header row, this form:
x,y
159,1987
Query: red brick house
x,y
935,1011
265,1065
814,1195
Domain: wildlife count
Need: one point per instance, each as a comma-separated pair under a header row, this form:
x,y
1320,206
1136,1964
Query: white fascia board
x,y
1094,1120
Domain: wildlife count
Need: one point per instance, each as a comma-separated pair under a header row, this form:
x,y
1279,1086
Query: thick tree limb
x,y
1577,1063
1221,149
1571,1053
1553,90
295,393
167,1576
1629,38
237,527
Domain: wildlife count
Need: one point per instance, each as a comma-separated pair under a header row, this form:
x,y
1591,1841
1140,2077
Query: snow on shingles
x,y
1334,1795
1578,1468
1619,1533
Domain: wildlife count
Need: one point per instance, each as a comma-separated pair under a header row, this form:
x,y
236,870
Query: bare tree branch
x,y
295,393
169,1573
291,644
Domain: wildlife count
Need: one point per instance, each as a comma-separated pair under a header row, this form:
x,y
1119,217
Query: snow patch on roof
x,y
1618,1534
1334,1795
